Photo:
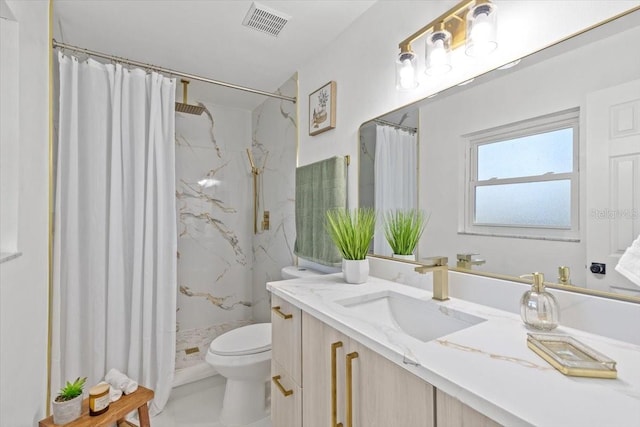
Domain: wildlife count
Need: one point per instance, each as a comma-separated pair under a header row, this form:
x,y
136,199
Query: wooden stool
x,y
118,410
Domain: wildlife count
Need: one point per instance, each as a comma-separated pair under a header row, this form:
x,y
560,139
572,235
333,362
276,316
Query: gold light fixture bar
x,y
454,21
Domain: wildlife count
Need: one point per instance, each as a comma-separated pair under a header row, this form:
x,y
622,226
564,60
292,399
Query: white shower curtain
x,y
395,170
115,227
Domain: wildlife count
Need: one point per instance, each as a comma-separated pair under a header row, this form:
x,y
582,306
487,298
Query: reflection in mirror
x,y
389,154
554,142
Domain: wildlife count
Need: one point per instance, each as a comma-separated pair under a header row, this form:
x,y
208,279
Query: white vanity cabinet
x,y
347,384
286,360
481,375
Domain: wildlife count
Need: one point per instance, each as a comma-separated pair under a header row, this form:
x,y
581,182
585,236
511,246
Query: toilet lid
x,y
248,339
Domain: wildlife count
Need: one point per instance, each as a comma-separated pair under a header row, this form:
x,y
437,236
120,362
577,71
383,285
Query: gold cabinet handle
x,y
334,384
276,381
277,311
350,357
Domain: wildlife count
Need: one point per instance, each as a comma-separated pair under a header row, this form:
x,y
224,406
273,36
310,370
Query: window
x,y
523,179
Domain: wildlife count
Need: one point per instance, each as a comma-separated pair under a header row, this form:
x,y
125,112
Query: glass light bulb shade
x,y
481,30
406,70
438,53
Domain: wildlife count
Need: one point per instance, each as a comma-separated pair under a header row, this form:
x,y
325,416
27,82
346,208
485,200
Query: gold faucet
x,y
467,261
564,275
438,267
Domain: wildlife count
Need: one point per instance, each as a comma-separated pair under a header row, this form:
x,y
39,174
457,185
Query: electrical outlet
x,y
265,220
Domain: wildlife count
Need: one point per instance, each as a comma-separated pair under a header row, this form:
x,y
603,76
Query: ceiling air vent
x,y
265,19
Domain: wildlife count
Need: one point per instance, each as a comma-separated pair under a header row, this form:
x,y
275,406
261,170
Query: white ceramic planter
x,y
355,271
411,257
65,412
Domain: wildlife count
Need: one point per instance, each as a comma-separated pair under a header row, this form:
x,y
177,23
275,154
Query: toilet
x,y
243,357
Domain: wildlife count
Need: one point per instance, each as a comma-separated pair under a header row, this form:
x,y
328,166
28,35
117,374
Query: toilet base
x,y
245,403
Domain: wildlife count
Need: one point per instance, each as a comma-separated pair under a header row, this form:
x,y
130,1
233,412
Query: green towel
x,y
320,186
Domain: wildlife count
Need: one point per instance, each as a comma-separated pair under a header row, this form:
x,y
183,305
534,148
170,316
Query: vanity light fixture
x,y
406,70
481,30
470,22
438,52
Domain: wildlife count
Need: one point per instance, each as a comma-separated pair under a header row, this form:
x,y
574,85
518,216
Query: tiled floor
x,y
196,405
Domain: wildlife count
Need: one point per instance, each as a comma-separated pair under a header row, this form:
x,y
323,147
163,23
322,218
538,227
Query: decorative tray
x,y
571,357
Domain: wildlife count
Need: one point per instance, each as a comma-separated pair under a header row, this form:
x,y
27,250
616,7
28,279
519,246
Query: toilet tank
x,y
295,272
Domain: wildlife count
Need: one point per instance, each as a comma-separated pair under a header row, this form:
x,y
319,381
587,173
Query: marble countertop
x,y
487,366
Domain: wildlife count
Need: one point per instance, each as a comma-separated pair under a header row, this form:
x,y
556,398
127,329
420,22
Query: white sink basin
x,y
422,319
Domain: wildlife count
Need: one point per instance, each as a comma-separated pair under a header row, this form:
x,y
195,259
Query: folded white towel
x,y
120,381
629,263
117,379
114,393
130,387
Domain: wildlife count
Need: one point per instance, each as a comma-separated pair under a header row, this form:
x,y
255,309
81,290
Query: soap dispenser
x,y
538,308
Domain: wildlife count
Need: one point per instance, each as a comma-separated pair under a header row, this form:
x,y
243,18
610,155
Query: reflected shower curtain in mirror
x,y
115,227
395,177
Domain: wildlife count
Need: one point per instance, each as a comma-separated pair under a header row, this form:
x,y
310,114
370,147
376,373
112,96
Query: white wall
x,y
24,280
361,61
9,142
554,85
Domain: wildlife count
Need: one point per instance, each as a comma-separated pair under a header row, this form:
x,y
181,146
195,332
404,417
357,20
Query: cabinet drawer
x,y
286,398
286,342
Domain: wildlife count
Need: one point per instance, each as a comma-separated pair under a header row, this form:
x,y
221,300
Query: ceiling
x,y
207,38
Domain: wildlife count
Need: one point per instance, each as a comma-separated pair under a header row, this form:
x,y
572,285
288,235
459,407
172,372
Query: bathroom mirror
x,y
588,209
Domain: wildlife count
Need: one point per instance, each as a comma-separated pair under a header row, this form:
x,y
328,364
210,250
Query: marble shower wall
x,y
366,177
214,201
274,125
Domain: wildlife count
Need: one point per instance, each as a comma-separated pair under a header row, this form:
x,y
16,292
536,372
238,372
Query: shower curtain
x,y
115,227
395,171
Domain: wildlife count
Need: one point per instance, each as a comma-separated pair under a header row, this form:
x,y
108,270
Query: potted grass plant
x,y
402,229
67,406
352,232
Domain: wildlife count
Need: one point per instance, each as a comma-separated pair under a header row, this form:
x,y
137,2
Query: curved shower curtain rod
x,y
57,44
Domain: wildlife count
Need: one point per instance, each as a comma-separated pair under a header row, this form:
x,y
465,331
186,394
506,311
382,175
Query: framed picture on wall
x,y
322,109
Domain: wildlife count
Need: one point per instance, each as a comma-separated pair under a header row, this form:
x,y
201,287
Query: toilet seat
x,y
250,339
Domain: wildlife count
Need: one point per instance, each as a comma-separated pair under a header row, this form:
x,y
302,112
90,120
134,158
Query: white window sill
x,y
8,256
516,236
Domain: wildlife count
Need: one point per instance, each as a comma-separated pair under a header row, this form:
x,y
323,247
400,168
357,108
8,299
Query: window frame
x,y
547,123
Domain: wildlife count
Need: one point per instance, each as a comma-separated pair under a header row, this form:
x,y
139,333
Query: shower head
x,y
189,109
184,107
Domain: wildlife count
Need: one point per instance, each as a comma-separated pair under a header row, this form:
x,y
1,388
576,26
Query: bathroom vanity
x,y
386,354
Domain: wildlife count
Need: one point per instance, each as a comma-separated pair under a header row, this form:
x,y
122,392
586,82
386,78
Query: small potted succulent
x,y
402,229
67,406
352,232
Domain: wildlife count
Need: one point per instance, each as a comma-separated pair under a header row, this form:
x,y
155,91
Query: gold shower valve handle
x,y
279,312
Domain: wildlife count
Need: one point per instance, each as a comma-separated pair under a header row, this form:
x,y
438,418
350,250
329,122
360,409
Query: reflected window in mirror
x,y
523,178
